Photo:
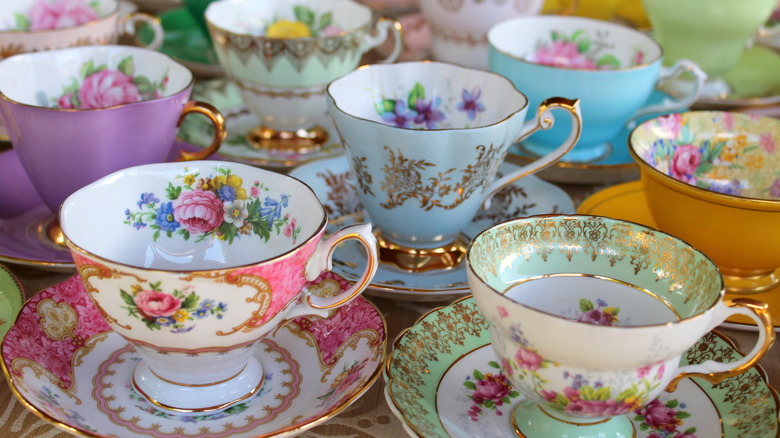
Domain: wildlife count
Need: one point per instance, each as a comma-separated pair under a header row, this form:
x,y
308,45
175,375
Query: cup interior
x,y
728,153
37,15
426,95
654,267
573,43
91,77
199,215
322,17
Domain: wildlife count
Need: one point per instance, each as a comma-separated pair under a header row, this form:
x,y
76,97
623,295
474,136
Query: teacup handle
x,y
713,371
544,120
668,105
322,260
129,23
383,26
220,133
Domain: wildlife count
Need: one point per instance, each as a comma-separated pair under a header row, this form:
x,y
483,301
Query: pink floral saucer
x,y
23,217
65,364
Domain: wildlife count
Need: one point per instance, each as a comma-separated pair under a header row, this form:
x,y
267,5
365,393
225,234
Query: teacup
x,y
75,115
425,140
282,54
612,68
713,179
589,317
459,28
36,25
193,263
712,33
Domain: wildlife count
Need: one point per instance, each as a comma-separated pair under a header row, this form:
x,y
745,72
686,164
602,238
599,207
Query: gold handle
x,y
766,338
220,133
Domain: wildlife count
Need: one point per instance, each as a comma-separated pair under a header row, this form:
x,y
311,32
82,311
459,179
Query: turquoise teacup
x,y
611,68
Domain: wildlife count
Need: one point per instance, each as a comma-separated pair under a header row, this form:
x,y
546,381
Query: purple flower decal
x,y
147,199
400,116
471,104
427,114
774,190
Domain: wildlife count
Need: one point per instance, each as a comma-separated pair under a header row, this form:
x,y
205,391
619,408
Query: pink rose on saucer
x,y
107,88
685,161
46,14
198,211
563,54
152,304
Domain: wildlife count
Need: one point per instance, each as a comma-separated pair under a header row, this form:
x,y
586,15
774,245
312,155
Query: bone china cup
x,y
37,25
459,28
193,263
590,316
713,179
612,68
282,73
75,115
425,140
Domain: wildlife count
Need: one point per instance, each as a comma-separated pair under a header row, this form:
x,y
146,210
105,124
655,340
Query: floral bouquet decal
x,y
579,51
489,391
664,420
213,206
306,24
101,87
600,314
175,311
417,112
54,14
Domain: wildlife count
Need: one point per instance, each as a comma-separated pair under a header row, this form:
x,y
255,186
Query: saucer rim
x,y
388,379
286,431
408,292
18,292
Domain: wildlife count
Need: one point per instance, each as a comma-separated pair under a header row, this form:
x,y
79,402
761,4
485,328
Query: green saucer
x,y
754,81
11,299
185,42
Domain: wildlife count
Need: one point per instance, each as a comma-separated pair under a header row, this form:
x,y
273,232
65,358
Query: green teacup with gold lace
x,y
282,54
589,317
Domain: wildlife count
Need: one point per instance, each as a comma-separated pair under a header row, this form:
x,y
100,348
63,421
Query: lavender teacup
x,y
75,115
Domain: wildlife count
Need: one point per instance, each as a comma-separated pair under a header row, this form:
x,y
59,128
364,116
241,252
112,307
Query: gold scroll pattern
x,y
298,51
404,180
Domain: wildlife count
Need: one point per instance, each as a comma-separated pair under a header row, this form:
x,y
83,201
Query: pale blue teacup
x,y
611,68
425,140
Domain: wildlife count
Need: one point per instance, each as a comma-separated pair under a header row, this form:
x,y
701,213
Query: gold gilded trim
x,y
299,141
409,259
472,40
202,385
364,279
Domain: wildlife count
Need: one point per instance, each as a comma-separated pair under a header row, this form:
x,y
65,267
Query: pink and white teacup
x,y
36,25
194,263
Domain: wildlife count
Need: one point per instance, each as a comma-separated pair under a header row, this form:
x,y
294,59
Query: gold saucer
x,y
627,202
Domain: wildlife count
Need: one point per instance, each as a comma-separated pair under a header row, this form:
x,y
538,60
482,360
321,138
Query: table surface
x,y
369,416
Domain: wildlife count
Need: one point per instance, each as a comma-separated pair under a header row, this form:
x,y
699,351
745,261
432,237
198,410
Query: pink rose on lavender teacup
x,y
47,14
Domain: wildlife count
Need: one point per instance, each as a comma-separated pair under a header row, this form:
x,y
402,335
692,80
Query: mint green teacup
x,y
711,33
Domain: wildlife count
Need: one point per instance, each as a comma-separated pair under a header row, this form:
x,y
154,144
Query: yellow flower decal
x,y
288,29
181,315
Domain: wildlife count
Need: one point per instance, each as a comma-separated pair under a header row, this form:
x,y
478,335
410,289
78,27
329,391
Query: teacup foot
x,y
529,420
419,260
50,233
201,398
300,141
746,283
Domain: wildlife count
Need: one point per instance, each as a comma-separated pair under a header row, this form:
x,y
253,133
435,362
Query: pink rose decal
x,y
685,161
774,189
528,360
767,142
107,88
563,54
488,391
198,211
46,14
152,304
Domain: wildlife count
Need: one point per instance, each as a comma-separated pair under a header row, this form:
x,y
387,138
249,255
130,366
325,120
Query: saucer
x,y
753,82
627,202
425,387
615,165
64,363
239,121
22,213
185,42
11,299
332,181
